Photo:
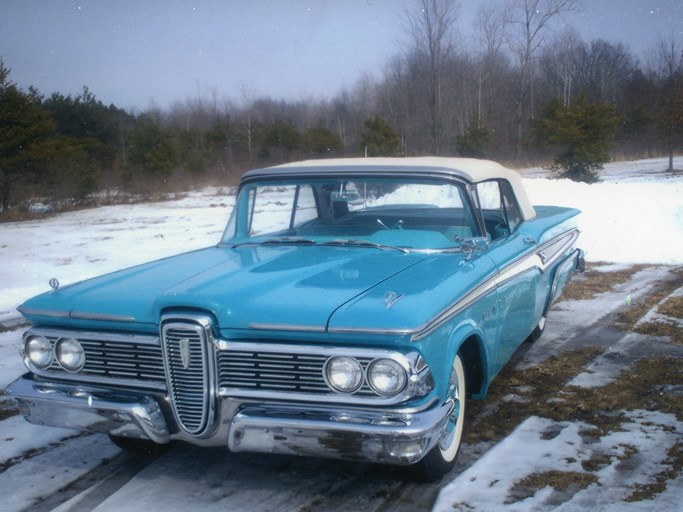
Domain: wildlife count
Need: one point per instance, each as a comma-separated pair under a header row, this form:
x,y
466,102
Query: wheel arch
x,y
468,341
473,359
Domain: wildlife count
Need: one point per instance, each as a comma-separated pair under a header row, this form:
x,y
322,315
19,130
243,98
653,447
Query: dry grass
x,y
546,394
593,282
536,386
672,307
674,463
558,480
627,319
662,328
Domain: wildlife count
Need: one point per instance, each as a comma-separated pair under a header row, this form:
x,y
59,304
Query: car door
x,y
518,303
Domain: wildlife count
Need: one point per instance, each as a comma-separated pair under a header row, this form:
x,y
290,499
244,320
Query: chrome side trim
x,y
43,312
286,327
552,249
473,296
80,315
143,339
366,330
76,315
572,259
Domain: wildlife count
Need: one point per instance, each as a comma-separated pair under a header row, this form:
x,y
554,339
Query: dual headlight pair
x,y
68,352
345,374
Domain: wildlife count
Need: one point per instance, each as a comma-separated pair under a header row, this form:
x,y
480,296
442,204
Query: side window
x,y
275,199
500,211
305,208
489,195
275,209
512,214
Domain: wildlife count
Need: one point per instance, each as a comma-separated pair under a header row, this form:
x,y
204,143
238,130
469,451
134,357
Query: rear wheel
x,y
441,459
142,446
538,331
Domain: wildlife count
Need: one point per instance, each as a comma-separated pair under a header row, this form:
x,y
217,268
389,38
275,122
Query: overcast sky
x,y
133,52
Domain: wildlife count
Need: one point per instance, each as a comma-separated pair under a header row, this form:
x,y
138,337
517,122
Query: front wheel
x,y
441,459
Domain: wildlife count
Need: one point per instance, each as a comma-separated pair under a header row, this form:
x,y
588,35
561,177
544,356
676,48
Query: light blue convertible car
x,y
350,310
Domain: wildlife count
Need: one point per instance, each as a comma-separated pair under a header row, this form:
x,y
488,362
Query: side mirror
x,y
473,246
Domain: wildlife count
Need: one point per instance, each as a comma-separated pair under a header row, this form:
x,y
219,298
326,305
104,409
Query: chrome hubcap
x,y
454,397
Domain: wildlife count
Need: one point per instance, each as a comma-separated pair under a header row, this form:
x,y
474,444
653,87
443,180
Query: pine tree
x,y
322,142
380,139
153,149
27,137
582,133
281,140
473,142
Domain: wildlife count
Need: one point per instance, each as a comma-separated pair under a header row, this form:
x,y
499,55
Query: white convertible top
x,y
470,169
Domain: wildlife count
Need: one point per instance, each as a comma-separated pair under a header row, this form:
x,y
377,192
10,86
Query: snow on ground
x,y
635,215
57,468
551,446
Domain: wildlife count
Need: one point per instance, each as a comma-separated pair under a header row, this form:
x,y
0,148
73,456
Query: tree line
x,y
523,93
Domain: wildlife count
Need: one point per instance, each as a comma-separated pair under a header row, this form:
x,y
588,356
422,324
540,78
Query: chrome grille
x,y
116,357
262,370
187,363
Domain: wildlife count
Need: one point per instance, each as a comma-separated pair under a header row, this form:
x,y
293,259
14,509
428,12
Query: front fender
x,y
468,340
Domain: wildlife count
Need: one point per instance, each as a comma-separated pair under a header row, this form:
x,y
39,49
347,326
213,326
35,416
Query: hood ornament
x,y
54,284
391,298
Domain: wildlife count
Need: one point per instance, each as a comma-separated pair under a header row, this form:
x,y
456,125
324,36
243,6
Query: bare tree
x,y
559,64
491,24
669,73
529,23
248,98
432,37
603,68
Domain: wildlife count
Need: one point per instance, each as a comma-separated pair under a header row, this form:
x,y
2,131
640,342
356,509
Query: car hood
x,y
250,287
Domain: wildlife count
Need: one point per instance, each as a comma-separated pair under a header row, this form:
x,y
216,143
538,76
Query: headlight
x,y
39,351
386,376
70,354
344,374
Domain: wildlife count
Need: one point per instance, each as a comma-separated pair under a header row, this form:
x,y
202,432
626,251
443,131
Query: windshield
x,y
386,213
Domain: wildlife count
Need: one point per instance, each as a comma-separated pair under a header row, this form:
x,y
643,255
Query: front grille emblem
x,y
184,347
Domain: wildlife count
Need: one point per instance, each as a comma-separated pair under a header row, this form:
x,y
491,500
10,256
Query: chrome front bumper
x,y
94,409
398,437
389,438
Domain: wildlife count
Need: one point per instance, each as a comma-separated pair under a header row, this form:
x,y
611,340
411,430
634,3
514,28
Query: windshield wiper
x,y
287,240
350,242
